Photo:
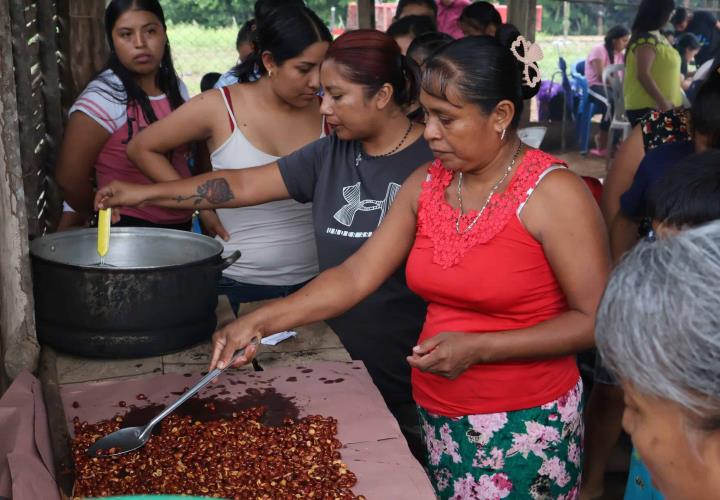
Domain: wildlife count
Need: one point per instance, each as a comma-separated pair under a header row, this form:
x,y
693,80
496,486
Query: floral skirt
x,y
534,453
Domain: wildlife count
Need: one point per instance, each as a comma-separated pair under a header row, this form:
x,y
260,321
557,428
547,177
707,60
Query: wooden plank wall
x,y
51,49
20,348
34,28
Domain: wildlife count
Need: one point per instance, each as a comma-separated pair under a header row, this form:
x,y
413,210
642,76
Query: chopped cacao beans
x,y
235,458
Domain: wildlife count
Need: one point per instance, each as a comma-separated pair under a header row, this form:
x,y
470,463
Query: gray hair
x,y
658,324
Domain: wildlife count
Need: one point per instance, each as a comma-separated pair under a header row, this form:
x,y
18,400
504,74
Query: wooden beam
x,y
17,321
523,14
366,14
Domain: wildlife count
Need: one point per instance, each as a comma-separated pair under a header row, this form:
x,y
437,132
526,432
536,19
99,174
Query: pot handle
x,y
229,260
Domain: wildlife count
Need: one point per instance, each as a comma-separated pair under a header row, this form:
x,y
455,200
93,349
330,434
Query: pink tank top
x,y
100,102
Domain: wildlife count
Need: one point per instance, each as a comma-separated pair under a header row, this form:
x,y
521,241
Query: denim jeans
x,y
239,293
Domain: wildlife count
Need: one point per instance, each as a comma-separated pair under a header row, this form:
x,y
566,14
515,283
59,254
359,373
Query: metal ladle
x,y
131,438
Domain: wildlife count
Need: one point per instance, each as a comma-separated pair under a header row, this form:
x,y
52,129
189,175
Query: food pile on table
x,y
238,457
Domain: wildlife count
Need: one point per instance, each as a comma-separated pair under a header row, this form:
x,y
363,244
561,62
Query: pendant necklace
x,y
487,201
360,157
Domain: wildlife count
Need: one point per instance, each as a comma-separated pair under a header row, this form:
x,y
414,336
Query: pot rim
x,y
128,230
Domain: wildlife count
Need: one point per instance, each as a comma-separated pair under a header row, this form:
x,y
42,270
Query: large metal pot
x,y
155,293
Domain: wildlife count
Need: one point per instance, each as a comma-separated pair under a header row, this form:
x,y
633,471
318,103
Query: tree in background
x,y
587,18
219,13
322,7
593,17
208,13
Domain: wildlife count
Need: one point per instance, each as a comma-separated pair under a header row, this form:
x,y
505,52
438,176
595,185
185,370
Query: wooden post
x,y
88,47
17,322
366,14
47,20
51,76
25,106
523,14
67,88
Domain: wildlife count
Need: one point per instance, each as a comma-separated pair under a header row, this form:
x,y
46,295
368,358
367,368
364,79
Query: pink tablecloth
x,y
374,447
26,460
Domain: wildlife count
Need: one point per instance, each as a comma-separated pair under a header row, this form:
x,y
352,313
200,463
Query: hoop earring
x,y
502,135
270,73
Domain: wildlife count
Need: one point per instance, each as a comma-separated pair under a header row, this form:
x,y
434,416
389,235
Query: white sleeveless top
x,y
276,239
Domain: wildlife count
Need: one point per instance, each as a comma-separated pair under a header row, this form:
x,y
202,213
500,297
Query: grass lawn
x,y
197,50
571,48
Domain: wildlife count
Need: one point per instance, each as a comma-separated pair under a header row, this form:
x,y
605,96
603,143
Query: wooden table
x,y
374,448
373,445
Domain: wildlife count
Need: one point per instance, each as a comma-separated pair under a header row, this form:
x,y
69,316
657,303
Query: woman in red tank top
x,y
511,254
509,249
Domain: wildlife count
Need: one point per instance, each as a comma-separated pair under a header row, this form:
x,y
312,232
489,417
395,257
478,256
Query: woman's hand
x,y
447,354
212,225
238,334
120,194
665,105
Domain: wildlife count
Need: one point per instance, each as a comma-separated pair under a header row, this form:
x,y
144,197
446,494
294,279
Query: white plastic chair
x,y
532,136
685,100
612,78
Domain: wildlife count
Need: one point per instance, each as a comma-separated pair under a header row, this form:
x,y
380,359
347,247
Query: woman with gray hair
x,y
658,330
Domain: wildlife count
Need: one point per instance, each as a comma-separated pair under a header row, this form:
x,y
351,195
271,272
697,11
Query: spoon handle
x,y
192,391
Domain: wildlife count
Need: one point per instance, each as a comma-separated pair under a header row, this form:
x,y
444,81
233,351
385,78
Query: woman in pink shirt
x,y
448,15
600,57
137,87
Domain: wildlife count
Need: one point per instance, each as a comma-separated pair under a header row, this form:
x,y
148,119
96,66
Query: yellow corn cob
x,y
103,241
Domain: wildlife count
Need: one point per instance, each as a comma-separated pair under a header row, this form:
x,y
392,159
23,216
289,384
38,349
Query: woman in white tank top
x,y
250,124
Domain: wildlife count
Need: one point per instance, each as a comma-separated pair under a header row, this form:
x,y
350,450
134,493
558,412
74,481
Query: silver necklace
x,y
487,201
359,156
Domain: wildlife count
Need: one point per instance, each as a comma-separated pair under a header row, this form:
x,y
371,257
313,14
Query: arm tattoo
x,y
215,191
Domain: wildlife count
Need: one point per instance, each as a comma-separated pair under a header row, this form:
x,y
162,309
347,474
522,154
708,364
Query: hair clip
x,y
532,54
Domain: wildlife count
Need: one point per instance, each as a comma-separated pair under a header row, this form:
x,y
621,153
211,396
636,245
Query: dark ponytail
x,y
412,75
651,15
424,45
284,30
371,58
507,37
618,31
166,77
705,110
498,78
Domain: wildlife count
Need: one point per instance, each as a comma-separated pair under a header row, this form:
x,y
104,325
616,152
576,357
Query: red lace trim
x,y
436,217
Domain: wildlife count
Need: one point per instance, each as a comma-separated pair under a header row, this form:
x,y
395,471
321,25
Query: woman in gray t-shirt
x,y
351,178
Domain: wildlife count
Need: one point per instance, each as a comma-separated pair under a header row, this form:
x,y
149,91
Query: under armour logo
x,y
346,214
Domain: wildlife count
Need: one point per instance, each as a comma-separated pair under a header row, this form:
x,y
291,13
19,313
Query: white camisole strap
x,y
551,168
225,92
